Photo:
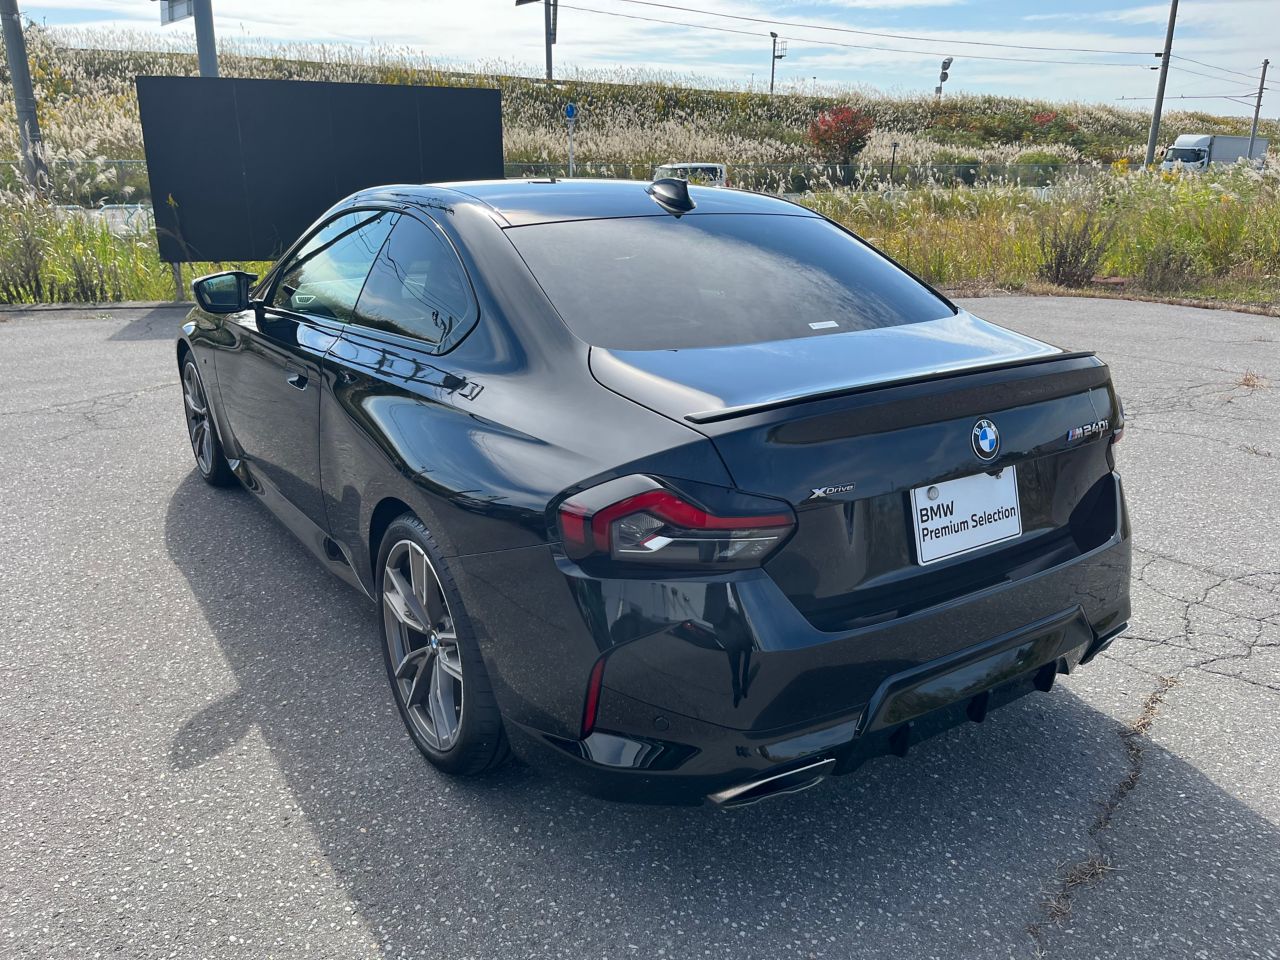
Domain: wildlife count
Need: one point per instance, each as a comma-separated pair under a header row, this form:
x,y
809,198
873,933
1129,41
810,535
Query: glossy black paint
x,y
710,678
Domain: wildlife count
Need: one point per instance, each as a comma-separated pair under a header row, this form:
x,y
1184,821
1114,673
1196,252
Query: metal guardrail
x,y
121,219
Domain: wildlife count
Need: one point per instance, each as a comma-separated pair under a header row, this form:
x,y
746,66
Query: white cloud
x,y
1225,31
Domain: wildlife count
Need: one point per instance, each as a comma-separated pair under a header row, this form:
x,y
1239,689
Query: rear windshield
x,y
711,280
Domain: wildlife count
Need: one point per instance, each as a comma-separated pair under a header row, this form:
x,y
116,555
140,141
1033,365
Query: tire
x,y
211,461
437,675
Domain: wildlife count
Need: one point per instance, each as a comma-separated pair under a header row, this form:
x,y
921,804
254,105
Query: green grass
x,y
47,256
1208,237
1213,237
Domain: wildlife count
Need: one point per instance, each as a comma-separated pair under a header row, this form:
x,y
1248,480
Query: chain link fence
x,y
87,183
123,184
810,177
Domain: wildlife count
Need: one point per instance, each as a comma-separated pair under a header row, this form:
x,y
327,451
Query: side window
x,y
417,287
324,277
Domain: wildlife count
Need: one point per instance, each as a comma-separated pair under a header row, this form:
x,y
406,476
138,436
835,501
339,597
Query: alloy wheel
x,y
423,646
197,410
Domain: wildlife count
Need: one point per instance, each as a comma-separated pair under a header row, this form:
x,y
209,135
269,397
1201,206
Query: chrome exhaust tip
x,y
774,785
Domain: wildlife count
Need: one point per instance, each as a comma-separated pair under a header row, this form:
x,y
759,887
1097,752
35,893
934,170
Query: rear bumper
x,y
710,684
690,761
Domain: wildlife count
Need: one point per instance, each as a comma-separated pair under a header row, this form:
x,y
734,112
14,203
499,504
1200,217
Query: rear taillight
x,y
1118,434
638,519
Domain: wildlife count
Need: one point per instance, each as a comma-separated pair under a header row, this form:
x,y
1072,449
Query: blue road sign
x,y
570,112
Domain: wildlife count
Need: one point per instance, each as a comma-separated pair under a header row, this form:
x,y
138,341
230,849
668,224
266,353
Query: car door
x,y
270,377
395,398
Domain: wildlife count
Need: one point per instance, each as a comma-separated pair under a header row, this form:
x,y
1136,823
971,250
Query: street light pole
x,y
1164,75
206,44
779,51
24,97
1257,109
550,11
549,27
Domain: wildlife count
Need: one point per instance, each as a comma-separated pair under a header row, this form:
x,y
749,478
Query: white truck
x,y
1195,151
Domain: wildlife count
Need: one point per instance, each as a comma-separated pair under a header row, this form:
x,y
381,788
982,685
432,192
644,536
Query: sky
x,y
1224,35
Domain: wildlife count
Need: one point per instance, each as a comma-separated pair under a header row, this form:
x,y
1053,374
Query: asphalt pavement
x,y
199,756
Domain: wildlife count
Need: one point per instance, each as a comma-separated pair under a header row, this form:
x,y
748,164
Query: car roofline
x,y
473,192
424,196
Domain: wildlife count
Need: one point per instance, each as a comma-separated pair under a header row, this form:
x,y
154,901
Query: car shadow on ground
x,y
975,826
153,323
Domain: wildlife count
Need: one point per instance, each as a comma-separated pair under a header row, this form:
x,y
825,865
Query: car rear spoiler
x,y
731,413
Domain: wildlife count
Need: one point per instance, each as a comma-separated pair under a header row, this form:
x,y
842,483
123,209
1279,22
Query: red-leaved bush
x,y
839,135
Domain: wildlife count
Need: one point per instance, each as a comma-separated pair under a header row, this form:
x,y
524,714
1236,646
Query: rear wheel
x,y
437,675
210,460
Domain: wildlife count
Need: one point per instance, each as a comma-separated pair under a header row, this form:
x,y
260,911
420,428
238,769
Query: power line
x,y
1207,76
1213,66
837,43
1198,96
876,33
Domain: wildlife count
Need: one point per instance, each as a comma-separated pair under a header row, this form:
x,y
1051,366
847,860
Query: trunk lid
x,y
895,410
711,382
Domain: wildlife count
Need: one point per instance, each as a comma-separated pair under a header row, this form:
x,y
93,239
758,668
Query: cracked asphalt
x,y
199,758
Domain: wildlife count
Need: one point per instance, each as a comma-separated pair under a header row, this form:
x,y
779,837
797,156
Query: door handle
x,y
298,380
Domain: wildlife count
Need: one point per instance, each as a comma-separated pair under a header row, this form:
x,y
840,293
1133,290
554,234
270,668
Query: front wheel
x,y
210,460
437,675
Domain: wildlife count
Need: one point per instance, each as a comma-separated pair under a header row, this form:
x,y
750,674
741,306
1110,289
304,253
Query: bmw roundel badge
x,y
986,440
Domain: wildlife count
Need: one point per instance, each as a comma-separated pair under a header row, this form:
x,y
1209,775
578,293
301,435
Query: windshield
x,y
707,280
1185,154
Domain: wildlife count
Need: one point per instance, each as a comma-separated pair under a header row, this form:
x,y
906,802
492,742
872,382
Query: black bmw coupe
x,y
690,492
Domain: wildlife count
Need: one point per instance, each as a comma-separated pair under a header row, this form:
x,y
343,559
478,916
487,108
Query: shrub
x,y
1039,157
951,166
1073,244
1220,221
1168,266
839,135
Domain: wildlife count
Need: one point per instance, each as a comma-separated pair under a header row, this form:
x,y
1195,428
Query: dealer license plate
x,y
962,515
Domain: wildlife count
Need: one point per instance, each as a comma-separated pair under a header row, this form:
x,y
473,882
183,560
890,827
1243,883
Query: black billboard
x,y
239,168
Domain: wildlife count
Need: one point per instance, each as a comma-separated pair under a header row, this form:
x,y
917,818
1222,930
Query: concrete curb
x,y
105,307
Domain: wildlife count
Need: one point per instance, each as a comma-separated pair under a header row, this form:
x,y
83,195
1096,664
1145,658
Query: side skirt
x,y
331,554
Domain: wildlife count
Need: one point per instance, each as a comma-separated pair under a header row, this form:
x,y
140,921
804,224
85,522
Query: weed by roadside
x,y
1073,244
1216,240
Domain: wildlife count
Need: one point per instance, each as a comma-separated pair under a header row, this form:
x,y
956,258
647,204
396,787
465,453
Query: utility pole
x,y
206,45
24,97
201,12
779,51
550,14
1164,75
1257,109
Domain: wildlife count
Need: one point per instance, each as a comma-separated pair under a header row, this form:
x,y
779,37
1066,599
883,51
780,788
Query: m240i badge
x,y
1087,430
